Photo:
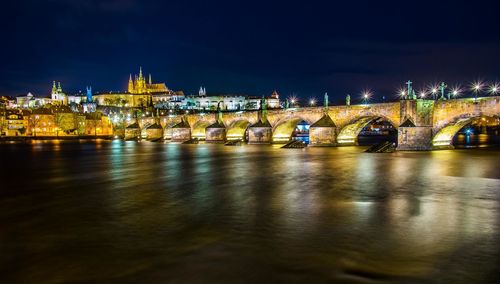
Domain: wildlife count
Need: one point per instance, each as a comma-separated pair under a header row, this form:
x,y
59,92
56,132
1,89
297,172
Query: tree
x,y
108,101
58,121
93,120
22,130
34,123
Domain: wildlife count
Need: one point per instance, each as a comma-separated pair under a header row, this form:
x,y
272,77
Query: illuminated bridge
x,y
421,124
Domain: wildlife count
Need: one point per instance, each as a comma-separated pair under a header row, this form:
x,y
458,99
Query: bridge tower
x,y
415,129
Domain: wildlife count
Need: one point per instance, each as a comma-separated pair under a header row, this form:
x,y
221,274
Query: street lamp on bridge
x,y
434,91
366,96
422,94
312,102
494,89
476,88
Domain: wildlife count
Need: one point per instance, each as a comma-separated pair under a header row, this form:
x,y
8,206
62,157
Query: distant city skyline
x,y
252,48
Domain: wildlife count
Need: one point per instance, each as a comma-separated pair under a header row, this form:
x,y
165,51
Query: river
x,y
129,212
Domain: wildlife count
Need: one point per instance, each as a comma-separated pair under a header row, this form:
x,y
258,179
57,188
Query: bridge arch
x,y
444,137
237,130
348,135
284,128
168,130
198,129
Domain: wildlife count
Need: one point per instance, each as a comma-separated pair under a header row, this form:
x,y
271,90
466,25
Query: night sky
x,y
304,48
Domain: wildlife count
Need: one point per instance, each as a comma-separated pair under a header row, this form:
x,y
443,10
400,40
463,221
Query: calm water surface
x,y
127,212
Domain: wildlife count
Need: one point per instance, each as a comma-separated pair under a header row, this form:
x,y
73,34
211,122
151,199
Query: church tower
x,y
89,94
141,83
54,88
130,84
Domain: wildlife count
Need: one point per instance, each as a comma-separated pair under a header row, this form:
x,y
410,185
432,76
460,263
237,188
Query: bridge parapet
x,y
449,112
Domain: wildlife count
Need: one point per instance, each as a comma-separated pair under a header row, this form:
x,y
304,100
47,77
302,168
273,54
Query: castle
x,y
140,86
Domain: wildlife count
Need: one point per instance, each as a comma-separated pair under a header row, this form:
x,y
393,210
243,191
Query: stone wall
x,y
322,136
215,135
181,134
415,138
260,135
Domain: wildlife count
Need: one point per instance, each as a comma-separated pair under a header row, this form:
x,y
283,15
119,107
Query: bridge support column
x,y
414,138
181,132
415,132
215,134
154,132
323,132
132,132
260,134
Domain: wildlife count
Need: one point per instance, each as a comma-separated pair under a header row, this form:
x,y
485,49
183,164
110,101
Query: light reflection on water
x,y
149,212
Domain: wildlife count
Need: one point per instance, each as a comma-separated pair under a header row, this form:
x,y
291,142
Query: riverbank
x,y
48,138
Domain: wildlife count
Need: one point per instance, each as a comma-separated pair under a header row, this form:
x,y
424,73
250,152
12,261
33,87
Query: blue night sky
x,y
248,47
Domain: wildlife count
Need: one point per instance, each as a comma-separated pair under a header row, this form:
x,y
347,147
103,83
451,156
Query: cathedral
x,y
140,86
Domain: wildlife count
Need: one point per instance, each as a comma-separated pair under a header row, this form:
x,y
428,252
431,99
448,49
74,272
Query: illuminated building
x,y
89,105
140,86
169,100
30,101
97,124
42,122
228,102
16,123
253,103
140,93
57,95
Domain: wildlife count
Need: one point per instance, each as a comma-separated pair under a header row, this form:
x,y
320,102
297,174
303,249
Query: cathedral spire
x,y
130,84
150,81
140,72
54,88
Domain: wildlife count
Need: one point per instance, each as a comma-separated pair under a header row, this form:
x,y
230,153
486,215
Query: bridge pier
x,y
415,132
215,133
132,131
260,133
323,132
154,132
414,138
181,132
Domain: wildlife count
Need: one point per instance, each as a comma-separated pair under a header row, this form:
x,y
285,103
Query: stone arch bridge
x,y
421,124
